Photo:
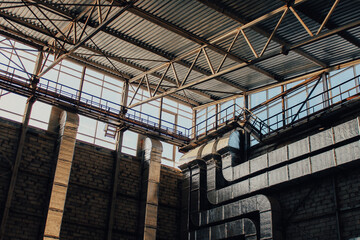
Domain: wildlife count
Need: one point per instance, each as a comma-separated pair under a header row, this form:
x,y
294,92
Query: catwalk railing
x,y
18,81
262,128
234,113
337,95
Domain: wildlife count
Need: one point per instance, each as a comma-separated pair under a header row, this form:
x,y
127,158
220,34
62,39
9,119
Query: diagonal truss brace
x,y
72,38
262,58
88,37
226,36
236,32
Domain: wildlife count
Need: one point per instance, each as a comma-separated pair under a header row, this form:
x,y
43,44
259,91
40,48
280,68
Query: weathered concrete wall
x,y
87,205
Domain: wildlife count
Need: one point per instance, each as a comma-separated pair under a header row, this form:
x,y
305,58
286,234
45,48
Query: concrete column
x,y
68,124
152,150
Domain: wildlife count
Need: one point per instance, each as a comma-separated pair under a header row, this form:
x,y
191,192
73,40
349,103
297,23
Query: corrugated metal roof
x,y
155,31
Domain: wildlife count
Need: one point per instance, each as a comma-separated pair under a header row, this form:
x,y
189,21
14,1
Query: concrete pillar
x,y
152,150
68,124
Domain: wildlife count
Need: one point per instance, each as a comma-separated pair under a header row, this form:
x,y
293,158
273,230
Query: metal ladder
x,y
110,130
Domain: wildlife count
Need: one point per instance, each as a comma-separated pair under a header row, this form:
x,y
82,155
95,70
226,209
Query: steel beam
x,y
326,97
119,144
86,62
169,26
221,8
24,23
141,68
305,101
284,93
88,37
152,18
138,67
212,42
329,24
15,169
134,42
260,59
313,74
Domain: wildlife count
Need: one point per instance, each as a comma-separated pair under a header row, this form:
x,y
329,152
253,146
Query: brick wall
x,y
309,208
31,195
88,197
169,202
88,194
8,142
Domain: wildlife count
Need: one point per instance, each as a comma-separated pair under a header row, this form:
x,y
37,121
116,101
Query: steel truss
x,y
82,27
68,39
258,57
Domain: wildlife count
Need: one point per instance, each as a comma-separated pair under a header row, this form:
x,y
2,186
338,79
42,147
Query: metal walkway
x,y
234,116
264,130
70,99
225,121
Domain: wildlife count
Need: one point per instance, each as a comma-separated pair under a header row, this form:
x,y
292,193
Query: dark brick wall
x,y
128,200
88,197
31,194
8,141
169,202
89,193
86,209
309,207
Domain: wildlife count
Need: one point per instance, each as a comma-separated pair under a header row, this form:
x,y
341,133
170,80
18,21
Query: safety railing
x,y
227,115
336,95
45,86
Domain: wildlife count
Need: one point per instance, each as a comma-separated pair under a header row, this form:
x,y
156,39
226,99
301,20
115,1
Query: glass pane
x,y
168,151
167,121
257,98
131,141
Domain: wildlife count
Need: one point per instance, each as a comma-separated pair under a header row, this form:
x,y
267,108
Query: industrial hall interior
x,y
180,119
